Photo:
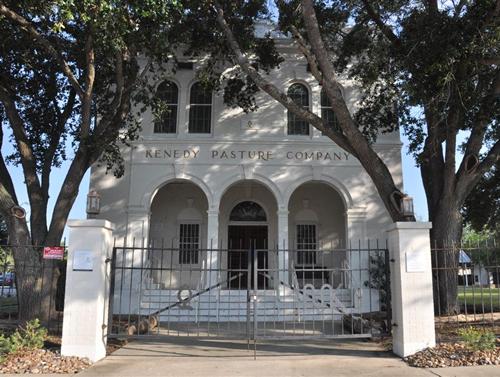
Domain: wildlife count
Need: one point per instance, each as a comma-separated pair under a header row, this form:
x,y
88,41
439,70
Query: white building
x,y
209,177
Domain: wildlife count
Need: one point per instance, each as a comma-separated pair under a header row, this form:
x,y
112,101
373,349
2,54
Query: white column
x,y
86,299
356,226
212,247
134,257
358,261
411,287
283,254
137,227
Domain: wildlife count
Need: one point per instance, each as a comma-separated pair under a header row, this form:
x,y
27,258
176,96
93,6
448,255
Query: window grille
x,y
189,242
167,95
306,244
300,95
200,109
327,113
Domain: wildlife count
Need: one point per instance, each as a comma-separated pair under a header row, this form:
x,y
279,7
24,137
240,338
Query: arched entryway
x,y
248,226
317,234
177,235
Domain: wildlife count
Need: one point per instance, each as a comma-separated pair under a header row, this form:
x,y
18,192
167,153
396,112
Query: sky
x,y
411,178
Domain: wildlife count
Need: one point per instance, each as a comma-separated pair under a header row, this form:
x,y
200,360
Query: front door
x,y
246,242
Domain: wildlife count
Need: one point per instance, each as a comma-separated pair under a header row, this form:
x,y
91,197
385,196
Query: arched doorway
x,y
247,241
247,228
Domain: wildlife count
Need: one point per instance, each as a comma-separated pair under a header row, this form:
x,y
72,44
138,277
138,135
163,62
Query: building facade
x,y
207,178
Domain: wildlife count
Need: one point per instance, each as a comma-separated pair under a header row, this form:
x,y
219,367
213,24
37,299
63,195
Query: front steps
x,y
224,305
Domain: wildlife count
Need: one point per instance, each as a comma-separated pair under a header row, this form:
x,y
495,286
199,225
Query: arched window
x,y
248,211
327,113
300,95
200,109
167,95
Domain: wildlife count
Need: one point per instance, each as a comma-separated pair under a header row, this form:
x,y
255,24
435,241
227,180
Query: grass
x,y
477,297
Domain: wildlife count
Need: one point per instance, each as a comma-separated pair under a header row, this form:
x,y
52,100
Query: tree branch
x,y
273,91
44,43
384,28
89,85
38,205
368,158
5,177
467,181
55,136
311,60
480,125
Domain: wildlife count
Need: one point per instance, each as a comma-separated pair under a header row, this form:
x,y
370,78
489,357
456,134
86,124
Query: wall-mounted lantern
x,y
407,207
93,204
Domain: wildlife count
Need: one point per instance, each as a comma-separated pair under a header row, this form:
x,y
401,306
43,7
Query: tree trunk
x,y
28,269
446,235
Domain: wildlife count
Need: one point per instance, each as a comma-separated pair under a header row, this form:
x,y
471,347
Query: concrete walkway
x,y
211,357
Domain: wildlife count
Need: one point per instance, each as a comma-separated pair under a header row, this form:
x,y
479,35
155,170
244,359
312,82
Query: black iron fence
x,y
466,280
250,293
30,282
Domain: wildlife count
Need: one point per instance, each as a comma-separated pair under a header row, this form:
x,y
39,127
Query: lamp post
x,y
93,204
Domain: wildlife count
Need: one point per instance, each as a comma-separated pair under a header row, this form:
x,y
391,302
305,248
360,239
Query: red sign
x,y
53,252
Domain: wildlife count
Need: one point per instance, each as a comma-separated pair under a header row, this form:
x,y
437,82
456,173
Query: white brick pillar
x,y
213,254
283,254
411,287
87,289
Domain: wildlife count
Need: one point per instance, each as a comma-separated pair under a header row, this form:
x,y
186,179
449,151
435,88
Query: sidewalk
x,y
210,357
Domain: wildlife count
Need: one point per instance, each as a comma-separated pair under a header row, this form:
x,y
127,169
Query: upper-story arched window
x,y
327,113
300,95
167,94
200,109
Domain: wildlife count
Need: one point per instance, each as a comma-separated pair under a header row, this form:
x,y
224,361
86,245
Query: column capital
x,y
409,225
91,223
282,212
213,212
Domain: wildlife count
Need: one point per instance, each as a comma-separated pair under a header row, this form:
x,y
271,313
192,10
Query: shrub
x,y
31,336
477,340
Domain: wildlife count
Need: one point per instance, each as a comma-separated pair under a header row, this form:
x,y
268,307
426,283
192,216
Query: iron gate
x,y
232,293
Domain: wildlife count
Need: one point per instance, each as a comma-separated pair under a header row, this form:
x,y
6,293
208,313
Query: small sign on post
x,y
53,252
83,260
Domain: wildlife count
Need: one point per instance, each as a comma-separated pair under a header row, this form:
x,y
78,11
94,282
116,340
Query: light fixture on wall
x,y
407,207
93,204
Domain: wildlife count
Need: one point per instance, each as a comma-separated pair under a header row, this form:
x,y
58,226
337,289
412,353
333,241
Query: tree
x,y
3,232
70,73
482,207
431,67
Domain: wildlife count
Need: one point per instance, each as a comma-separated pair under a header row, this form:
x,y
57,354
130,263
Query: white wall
x,y
285,163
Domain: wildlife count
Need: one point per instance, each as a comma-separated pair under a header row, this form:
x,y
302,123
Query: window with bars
x,y
327,112
165,108
200,109
300,95
306,244
189,242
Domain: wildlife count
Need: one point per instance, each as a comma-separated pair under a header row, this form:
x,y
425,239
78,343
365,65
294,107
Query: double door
x,y
247,249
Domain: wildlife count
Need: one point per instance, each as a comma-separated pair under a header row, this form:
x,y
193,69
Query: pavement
x,y
194,357
214,357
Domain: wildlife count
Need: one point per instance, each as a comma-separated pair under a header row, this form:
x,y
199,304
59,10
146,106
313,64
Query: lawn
x,y
477,296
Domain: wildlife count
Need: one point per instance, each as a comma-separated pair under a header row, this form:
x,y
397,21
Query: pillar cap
x,y
409,225
91,223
